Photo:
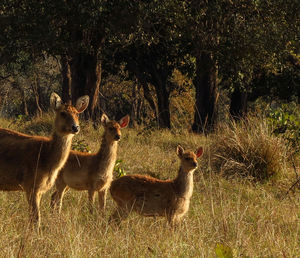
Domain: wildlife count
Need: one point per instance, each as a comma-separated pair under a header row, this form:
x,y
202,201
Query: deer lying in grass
x,y
31,163
149,196
91,172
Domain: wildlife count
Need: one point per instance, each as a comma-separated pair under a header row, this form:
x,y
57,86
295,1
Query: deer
x,y
92,172
31,163
153,197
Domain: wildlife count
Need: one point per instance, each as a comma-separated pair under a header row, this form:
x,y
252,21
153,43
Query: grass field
x,y
253,219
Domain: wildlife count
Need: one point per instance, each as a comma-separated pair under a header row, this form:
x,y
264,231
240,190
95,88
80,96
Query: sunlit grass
x,y
253,219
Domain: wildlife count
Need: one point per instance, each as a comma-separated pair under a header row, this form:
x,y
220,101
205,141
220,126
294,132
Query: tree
x,y
230,40
149,64
265,32
153,53
224,44
74,30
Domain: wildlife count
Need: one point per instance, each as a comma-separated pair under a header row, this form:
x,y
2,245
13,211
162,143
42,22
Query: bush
x,y
80,145
286,123
247,149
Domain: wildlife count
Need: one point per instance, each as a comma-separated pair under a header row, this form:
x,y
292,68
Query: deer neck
x,y
59,150
106,157
183,183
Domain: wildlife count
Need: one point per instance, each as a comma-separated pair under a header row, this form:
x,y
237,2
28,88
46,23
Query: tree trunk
x,y
35,88
24,102
66,82
25,108
146,90
136,105
86,77
159,81
238,104
149,98
21,90
206,93
163,106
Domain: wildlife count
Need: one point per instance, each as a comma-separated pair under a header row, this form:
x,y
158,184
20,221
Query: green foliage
x,y
58,26
223,251
286,124
19,120
282,83
22,121
118,169
153,38
81,145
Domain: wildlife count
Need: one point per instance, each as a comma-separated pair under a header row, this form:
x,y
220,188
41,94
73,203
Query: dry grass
x,y
248,149
251,218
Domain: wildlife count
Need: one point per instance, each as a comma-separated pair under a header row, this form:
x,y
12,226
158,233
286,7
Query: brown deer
x,y
91,172
149,196
31,163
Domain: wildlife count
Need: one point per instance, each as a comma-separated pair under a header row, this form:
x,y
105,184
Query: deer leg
x,y
118,215
91,193
57,196
174,221
172,218
34,207
102,199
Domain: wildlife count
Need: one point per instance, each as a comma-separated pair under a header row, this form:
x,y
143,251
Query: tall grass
x,y
247,148
252,219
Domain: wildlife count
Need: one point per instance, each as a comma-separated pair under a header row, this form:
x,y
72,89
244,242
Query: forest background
x,y
166,63
222,74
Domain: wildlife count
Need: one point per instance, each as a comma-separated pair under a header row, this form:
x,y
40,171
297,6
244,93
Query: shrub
x,y
248,149
80,145
285,123
118,169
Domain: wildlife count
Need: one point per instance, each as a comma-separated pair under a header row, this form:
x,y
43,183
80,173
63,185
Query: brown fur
x,y
91,172
149,196
31,163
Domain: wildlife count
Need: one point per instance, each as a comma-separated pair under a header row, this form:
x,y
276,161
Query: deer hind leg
x,y
34,199
173,219
57,197
102,199
118,215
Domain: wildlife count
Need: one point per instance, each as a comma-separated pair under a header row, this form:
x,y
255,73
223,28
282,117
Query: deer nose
x,y
75,128
117,137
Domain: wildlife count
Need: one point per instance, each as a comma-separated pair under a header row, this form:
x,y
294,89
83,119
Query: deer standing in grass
x,y
149,196
31,163
91,172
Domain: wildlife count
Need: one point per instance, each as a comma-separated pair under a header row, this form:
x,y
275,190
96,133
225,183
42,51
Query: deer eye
x,y
187,159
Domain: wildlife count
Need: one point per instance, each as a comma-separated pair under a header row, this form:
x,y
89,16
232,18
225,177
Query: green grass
x,y
253,219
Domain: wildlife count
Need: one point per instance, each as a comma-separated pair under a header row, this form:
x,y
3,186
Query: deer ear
x,y
199,152
104,119
82,103
55,101
179,151
124,121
